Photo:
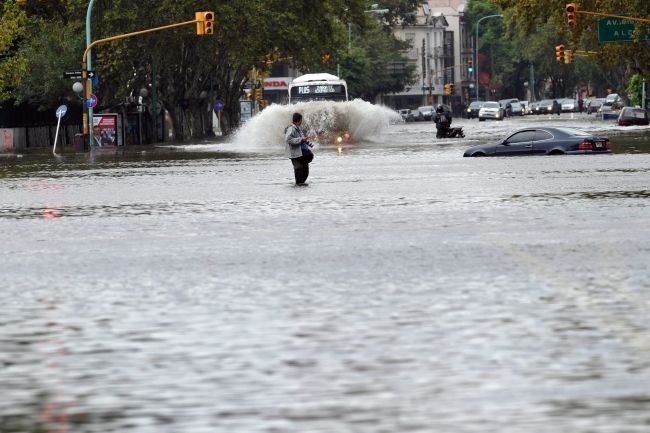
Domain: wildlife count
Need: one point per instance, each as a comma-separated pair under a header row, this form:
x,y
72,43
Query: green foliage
x,y
635,89
530,21
40,40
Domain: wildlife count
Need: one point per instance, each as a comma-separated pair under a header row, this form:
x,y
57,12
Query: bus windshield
x,y
317,87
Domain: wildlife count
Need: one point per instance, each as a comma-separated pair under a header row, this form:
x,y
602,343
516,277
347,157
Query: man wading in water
x,y
296,140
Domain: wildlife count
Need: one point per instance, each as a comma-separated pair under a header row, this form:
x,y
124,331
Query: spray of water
x,y
362,120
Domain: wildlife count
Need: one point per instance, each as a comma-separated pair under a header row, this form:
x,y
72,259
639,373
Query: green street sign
x,y
619,30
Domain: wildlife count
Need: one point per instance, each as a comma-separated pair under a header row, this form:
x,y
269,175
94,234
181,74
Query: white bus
x,y
317,87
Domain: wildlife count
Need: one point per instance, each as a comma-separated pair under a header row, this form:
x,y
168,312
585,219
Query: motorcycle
x,y
450,132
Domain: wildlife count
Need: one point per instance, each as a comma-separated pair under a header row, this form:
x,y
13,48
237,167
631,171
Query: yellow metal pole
x,y
643,20
128,35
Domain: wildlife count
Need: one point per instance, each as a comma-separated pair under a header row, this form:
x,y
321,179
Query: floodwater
x,y
406,289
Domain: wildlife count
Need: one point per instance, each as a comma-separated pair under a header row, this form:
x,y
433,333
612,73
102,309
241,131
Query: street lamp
x,y
476,60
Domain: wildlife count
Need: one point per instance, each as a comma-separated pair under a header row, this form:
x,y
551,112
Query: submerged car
x,y
632,116
491,110
544,141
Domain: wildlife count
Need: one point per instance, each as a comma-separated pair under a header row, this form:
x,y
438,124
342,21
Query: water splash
x,y
362,120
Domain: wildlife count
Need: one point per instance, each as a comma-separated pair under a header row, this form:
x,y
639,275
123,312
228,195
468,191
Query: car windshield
x,y
425,108
573,132
491,105
475,104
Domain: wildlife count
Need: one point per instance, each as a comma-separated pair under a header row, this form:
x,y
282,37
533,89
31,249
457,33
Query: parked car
x,y
613,98
427,111
545,106
491,110
472,110
632,116
594,105
610,109
417,115
407,115
517,108
568,105
544,141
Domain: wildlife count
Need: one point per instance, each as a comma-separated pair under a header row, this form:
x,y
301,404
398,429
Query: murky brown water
x,y
407,289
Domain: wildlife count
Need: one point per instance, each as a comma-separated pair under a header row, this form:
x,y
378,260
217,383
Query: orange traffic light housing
x,y
569,56
559,53
204,23
571,10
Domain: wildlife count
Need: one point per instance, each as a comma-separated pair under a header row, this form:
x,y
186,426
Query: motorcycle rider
x,y
443,121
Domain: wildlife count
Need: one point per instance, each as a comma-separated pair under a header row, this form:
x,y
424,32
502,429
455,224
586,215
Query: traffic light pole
x,y
600,14
88,123
476,60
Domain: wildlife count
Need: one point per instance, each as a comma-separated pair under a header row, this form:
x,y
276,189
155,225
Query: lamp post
x,y
478,87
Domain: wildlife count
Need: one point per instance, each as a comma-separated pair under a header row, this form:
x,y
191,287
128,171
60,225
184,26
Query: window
x,y
542,135
521,137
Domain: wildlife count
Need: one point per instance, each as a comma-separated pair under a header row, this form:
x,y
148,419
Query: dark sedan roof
x,y
559,131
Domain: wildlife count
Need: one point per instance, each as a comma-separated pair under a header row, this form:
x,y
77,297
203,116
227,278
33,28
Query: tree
x,y
375,63
618,61
184,66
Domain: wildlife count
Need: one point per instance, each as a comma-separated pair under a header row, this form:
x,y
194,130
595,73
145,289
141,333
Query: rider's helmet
x,y
439,109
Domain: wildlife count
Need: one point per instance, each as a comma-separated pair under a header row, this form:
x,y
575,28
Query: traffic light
x,y
259,94
446,92
325,58
569,56
571,10
559,53
451,89
208,23
470,66
204,23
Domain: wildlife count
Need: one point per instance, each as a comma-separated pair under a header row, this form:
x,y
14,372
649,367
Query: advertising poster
x,y
106,130
6,140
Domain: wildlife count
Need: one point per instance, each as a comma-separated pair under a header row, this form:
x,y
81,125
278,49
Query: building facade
x,y
442,51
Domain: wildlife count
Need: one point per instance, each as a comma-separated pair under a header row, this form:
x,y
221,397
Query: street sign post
x,y
612,29
60,112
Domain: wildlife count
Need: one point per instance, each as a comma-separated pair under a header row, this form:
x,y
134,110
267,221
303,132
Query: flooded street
x,y
406,289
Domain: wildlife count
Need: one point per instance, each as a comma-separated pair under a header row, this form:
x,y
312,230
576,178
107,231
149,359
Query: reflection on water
x,y
589,195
